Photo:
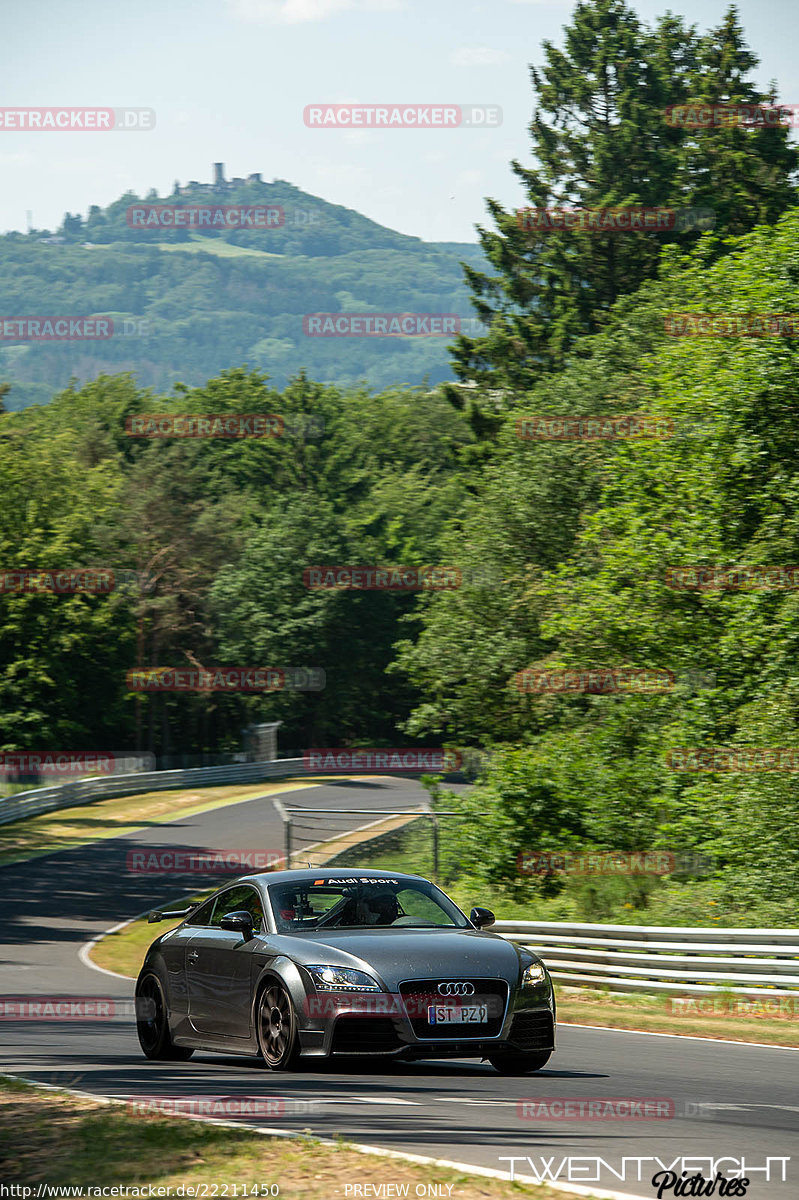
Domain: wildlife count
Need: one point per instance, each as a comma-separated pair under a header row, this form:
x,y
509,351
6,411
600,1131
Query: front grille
x,y
533,1030
364,1035
419,994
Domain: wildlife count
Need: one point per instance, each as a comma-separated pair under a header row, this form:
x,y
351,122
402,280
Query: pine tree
x,y
601,139
744,173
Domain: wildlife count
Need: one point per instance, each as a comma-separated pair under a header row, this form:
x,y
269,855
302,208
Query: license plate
x,y
463,1014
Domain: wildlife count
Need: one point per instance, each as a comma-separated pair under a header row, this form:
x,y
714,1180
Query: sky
x,y
229,81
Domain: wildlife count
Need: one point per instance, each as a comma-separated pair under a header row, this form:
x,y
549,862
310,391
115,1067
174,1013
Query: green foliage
x,y
221,531
191,305
600,139
593,593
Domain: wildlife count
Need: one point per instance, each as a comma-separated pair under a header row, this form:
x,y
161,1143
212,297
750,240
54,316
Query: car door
x,y
219,966
174,948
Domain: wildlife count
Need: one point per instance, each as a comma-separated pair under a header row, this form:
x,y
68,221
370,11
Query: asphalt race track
x,y
731,1101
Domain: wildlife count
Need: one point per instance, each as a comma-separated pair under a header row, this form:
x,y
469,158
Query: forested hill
x,y
192,303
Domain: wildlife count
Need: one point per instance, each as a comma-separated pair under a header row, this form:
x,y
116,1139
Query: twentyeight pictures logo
x,y
76,120
402,116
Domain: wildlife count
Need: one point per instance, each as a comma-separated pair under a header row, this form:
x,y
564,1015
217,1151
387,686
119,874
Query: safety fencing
x,y
664,958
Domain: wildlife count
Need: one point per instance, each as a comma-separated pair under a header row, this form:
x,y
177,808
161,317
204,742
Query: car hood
x,y
399,954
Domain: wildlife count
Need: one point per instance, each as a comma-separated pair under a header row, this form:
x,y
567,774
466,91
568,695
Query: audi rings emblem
x,y
456,989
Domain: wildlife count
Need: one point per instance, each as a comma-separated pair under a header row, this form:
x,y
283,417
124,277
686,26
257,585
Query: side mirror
x,y
482,917
237,922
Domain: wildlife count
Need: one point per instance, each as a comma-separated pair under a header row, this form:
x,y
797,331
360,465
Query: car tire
x,y
276,1026
152,1021
519,1064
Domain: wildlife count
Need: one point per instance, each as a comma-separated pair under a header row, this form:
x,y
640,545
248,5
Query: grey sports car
x,y
314,963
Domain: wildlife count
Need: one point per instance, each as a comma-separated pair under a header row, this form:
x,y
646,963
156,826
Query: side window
x,y
203,914
239,899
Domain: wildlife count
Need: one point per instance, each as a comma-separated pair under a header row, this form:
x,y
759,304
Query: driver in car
x,y
379,909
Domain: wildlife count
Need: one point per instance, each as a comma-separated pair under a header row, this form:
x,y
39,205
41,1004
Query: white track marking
x,y
359,1148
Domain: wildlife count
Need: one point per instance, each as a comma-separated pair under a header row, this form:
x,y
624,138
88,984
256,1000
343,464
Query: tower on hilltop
x,y
219,175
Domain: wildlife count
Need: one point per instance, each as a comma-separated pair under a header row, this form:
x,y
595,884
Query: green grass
x,y
69,1141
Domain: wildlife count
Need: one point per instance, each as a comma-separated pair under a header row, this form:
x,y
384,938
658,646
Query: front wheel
x,y
277,1028
519,1064
152,1022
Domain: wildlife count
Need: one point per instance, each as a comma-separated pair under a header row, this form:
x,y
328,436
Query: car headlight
x,y
534,974
342,979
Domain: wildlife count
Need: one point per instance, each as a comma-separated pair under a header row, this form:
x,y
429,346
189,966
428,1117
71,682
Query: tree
x,y
744,174
601,139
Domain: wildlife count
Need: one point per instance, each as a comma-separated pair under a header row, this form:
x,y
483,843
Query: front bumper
x,y
381,1025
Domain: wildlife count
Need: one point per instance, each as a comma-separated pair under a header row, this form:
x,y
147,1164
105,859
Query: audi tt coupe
x,y
309,964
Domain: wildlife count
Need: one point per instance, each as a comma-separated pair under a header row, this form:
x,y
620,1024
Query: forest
x,y
580,554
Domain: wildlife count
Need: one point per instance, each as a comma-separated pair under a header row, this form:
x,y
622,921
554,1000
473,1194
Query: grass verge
x,y
62,1140
650,1014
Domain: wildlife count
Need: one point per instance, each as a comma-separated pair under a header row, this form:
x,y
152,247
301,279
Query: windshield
x,y
355,904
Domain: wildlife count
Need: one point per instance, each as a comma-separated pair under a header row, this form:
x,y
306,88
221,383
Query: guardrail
x,y
663,958
108,787
84,791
